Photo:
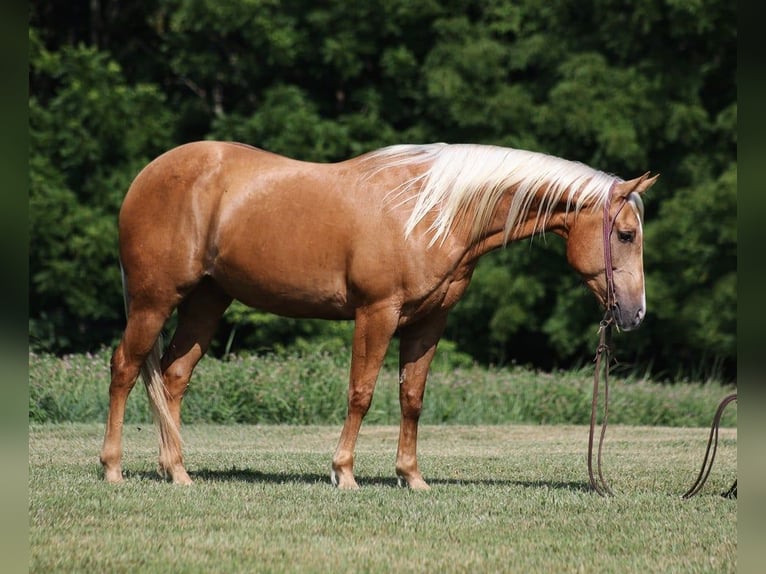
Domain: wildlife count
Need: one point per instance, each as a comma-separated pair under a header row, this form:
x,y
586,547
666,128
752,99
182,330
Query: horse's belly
x,y
289,290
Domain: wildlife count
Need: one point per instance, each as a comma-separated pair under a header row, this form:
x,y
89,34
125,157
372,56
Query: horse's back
x,y
258,223
170,212
192,182
178,171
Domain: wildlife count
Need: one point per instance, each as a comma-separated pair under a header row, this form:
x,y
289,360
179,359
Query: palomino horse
x,y
389,239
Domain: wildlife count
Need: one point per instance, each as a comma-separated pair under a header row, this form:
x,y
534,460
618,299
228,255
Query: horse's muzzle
x,y
628,318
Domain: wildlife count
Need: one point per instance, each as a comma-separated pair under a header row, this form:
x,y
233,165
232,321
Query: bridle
x,y
605,348
611,297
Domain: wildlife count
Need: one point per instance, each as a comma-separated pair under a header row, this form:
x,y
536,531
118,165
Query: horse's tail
x,y
169,433
151,374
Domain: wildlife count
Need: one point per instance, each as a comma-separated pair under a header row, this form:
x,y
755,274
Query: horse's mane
x,y
463,175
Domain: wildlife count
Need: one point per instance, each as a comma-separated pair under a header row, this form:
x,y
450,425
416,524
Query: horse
x,y
388,239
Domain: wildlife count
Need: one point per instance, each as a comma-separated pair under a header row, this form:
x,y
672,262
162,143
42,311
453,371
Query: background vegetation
x,y
309,387
626,88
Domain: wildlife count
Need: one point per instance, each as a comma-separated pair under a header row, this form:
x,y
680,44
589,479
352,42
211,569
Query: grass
x,y
310,388
505,498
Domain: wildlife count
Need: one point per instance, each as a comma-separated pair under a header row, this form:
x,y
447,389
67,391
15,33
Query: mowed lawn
x,y
503,499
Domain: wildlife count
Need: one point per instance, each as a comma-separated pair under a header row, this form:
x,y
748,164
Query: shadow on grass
x,y
254,476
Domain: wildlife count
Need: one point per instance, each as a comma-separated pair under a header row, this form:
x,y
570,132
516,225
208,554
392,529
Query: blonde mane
x,y
464,183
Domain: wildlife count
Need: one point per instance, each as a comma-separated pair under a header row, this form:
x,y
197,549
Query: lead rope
x,y
604,348
712,442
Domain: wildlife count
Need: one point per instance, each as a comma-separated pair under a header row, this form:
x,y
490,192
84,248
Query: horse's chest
x,y
441,299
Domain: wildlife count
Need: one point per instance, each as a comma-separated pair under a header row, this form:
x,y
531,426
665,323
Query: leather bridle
x,y
611,296
605,348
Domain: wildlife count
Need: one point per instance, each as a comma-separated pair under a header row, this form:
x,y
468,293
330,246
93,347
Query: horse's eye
x,y
626,236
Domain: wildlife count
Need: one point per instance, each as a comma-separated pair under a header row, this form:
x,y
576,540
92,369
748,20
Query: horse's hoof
x,y
113,476
343,481
415,483
419,484
185,480
180,476
176,475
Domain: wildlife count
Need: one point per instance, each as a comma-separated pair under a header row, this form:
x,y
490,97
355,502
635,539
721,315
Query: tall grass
x,y
309,387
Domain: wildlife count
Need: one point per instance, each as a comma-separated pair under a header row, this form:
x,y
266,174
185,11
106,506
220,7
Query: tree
x,y
86,147
625,89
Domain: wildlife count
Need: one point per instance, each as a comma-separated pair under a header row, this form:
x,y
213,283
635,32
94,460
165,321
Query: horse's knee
x,y
411,403
359,400
123,372
176,378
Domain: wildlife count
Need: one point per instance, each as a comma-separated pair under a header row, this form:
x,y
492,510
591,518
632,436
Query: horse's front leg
x,y
372,333
417,348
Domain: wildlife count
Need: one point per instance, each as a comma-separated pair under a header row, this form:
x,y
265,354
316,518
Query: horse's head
x,y
587,254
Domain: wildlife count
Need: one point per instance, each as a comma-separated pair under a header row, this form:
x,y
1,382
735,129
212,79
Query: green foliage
x,y
502,303
692,263
287,122
309,386
614,133
626,89
86,147
86,124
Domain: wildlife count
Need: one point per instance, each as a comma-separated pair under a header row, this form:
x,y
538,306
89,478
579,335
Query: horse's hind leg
x,y
141,332
198,317
417,347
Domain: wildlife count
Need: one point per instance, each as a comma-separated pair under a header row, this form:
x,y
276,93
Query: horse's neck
x,y
532,223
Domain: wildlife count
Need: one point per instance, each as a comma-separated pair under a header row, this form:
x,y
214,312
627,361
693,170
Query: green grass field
x,y
506,498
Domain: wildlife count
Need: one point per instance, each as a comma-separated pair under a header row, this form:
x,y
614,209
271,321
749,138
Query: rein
x,y
604,348
712,441
603,354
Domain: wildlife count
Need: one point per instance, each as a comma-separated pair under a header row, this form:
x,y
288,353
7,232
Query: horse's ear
x,y
639,185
